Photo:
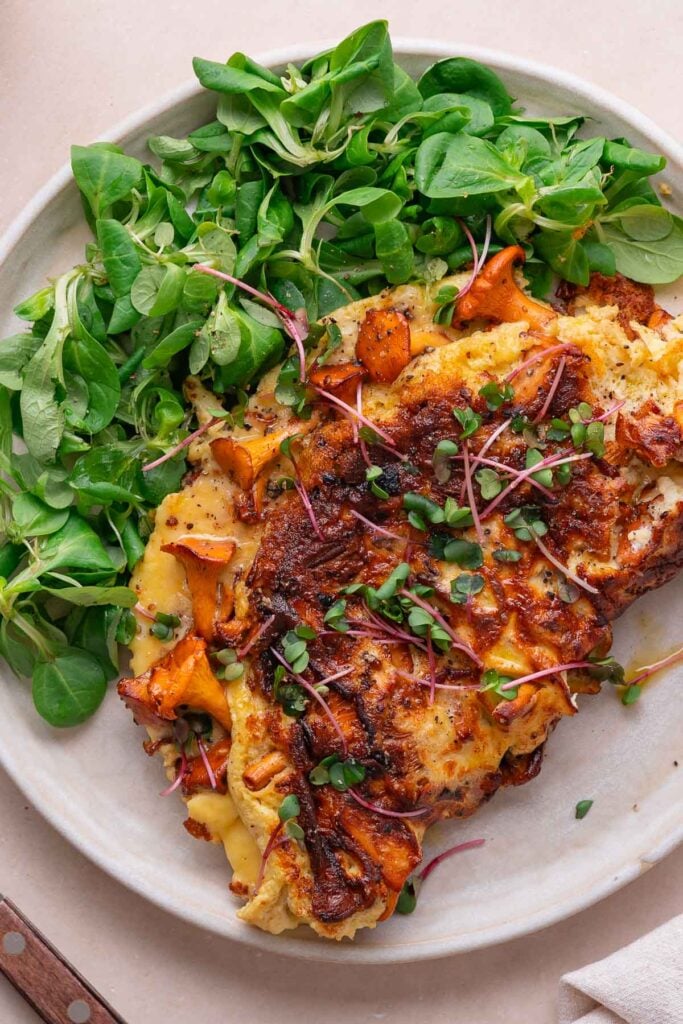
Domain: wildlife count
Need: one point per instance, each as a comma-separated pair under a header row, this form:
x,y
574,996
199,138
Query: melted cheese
x,y
243,820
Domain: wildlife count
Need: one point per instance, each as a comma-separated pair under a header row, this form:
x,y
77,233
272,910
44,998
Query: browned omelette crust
x,y
413,752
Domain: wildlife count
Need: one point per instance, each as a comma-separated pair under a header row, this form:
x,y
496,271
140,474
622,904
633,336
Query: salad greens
x,y
316,186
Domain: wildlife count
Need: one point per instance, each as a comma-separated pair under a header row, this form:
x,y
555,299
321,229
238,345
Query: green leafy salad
x,y
312,187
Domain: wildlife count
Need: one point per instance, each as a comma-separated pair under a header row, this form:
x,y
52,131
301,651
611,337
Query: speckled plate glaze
x,y
539,864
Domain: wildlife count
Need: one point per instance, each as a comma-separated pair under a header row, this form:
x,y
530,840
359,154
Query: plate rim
x,y
290,944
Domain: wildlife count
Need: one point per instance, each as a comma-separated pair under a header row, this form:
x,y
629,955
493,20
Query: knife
x,y
55,989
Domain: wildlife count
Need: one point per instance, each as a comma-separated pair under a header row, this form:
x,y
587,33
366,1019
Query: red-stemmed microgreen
x,y
181,733
551,391
431,660
313,692
243,651
294,323
565,570
286,829
335,616
383,810
180,774
551,350
341,775
286,449
374,526
438,617
501,467
633,688
350,411
357,435
182,445
141,610
207,764
608,412
552,461
469,489
542,673
428,683
494,395
477,260
471,844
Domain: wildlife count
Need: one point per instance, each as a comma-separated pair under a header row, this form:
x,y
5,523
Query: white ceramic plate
x,y
539,864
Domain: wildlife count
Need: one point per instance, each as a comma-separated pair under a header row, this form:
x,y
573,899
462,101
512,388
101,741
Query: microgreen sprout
x,y
377,809
551,391
465,586
422,510
496,395
407,900
443,452
341,775
507,555
464,553
265,625
287,828
469,490
350,411
230,666
182,445
542,354
335,616
489,482
469,421
495,682
313,692
286,449
164,626
435,614
372,475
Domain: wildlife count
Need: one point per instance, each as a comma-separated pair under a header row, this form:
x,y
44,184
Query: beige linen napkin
x,y
640,984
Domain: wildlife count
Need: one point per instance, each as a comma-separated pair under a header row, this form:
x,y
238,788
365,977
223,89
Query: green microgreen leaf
x,y
466,585
494,681
496,395
469,420
289,808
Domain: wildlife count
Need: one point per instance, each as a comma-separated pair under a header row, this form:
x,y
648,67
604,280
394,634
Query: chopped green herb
x,y
582,808
407,899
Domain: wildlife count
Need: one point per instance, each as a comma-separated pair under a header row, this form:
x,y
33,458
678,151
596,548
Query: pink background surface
x,y
69,70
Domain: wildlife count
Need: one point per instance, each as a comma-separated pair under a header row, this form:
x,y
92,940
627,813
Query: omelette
x,y
384,597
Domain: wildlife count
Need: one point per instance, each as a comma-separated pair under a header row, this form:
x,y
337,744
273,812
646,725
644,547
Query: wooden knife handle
x,y
55,990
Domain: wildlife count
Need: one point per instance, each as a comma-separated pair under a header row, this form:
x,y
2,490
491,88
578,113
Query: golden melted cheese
x,y
243,820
